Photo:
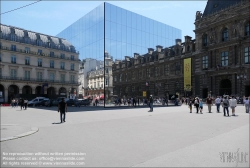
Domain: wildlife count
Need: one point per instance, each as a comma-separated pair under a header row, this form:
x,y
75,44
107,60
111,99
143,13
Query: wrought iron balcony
x,y
36,53
38,80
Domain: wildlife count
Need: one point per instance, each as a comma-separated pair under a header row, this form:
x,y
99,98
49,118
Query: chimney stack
x,y
150,51
158,48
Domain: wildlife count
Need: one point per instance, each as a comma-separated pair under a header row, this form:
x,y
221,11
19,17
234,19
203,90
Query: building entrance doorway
x,y
13,92
225,87
247,90
204,92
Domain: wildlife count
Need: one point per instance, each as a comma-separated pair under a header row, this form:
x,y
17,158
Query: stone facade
x,y
95,88
108,77
34,64
220,57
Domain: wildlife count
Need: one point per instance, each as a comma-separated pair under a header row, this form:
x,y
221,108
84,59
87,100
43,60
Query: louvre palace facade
x,y
219,54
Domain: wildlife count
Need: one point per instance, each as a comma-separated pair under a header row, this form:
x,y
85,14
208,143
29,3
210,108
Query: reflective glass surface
x,y
127,33
87,34
122,32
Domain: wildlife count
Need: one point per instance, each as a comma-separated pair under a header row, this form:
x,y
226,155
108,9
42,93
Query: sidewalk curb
x,y
32,131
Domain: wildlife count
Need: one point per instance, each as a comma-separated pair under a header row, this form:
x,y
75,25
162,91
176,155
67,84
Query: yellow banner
x,y
144,94
187,74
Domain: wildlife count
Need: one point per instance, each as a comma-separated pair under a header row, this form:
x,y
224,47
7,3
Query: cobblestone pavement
x,y
124,137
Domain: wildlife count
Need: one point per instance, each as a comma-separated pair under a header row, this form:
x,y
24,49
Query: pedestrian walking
x,y
218,102
225,106
151,101
21,103
233,104
13,103
62,108
196,104
246,103
201,106
209,103
96,102
25,103
190,105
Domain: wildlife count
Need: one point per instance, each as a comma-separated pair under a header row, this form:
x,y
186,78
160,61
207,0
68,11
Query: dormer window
x,y
13,37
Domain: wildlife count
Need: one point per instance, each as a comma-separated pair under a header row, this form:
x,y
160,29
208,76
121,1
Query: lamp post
x,y
241,78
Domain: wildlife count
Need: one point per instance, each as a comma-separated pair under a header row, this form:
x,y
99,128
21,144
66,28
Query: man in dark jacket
x,y
62,107
151,100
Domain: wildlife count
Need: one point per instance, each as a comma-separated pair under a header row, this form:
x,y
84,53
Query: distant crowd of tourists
x,y
23,103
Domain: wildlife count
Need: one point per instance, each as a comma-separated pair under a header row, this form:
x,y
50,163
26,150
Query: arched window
x,y
204,40
247,32
225,34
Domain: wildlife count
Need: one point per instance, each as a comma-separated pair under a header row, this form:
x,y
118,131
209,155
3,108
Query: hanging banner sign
x,y
187,74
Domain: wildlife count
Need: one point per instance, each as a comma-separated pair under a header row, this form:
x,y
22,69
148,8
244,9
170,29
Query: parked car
x,y
33,102
42,103
49,103
84,102
71,102
57,101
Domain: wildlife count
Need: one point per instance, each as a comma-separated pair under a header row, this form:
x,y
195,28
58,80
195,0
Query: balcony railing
x,y
38,80
36,53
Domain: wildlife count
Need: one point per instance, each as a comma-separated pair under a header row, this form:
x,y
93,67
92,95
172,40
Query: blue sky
x,y
51,17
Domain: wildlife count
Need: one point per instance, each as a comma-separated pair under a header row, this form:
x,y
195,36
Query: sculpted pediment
x,y
223,16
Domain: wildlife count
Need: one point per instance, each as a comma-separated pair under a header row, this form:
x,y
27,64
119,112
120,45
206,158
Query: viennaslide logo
x,y
234,157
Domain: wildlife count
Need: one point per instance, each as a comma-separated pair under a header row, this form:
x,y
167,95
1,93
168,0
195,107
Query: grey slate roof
x,y
217,5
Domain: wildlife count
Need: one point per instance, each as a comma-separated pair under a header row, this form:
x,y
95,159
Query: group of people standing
x,y
22,102
197,103
225,102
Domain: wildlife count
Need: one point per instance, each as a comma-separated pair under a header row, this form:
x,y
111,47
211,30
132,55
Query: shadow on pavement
x,y
94,108
57,123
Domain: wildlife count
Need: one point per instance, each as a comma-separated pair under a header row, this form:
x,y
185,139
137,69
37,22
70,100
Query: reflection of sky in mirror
x,y
126,33
87,34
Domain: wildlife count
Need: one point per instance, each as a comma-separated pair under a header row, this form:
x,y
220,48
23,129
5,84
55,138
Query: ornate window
x,y
247,29
204,40
156,71
225,34
224,58
13,59
166,70
27,60
205,62
62,78
51,63
177,68
247,55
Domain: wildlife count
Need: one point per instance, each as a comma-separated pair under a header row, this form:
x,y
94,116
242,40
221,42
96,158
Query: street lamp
x,y
241,78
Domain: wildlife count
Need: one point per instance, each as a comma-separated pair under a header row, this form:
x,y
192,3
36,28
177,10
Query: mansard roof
x,y
6,30
217,5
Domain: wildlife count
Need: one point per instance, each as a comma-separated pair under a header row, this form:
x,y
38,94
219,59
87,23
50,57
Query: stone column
x,y
20,90
6,95
234,85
